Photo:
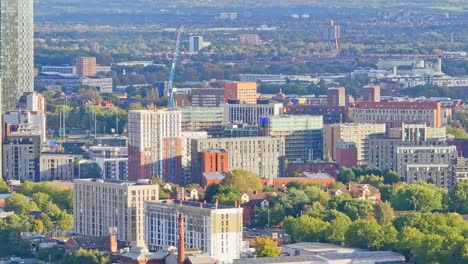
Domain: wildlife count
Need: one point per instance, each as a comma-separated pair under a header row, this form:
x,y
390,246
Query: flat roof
x,y
194,204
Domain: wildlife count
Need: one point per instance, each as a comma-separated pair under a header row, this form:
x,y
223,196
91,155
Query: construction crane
x,y
170,85
172,106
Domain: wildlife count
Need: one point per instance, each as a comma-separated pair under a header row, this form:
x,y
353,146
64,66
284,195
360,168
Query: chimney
x,y
201,205
113,243
216,203
181,242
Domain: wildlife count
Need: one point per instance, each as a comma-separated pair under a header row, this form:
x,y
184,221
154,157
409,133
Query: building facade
x,y
436,164
21,155
209,119
65,69
263,156
395,113
154,145
215,229
207,97
359,134
85,66
244,92
99,206
187,137
56,167
331,114
113,168
336,96
302,133
250,113
371,93
16,50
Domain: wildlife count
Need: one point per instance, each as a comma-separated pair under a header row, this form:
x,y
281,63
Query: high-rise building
x,y
85,66
16,50
154,145
196,43
64,69
263,156
243,92
336,96
302,133
393,114
213,228
371,93
100,205
250,113
359,134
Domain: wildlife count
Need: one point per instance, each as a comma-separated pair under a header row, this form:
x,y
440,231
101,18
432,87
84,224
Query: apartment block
x,y
56,167
371,93
302,133
382,150
250,113
154,145
336,96
435,164
215,229
113,168
244,92
99,206
85,66
461,169
263,156
358,134
393,114
21,155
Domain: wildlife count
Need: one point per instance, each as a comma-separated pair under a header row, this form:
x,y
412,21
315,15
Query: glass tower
x,y
16,50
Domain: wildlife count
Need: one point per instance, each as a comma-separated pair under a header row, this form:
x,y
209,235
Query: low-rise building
x,y
21,156
56,167
250,113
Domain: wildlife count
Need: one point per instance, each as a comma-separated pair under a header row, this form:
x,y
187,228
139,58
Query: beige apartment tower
x,y
85,66
371,93
244,92
336,96
99,206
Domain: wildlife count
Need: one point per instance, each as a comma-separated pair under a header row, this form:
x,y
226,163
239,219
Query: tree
x,y
65,221
19,204
54,254
90,170
266,247
306,228
384,213
294,202
4,187
420,197
339,224
275,213
135,106
355,208
212,191
85,256
38,227
42,200
228,195
346,175
458,198
365,234
243,180
391,177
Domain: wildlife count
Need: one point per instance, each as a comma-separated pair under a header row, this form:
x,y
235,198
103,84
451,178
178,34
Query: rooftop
x,y
192,204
